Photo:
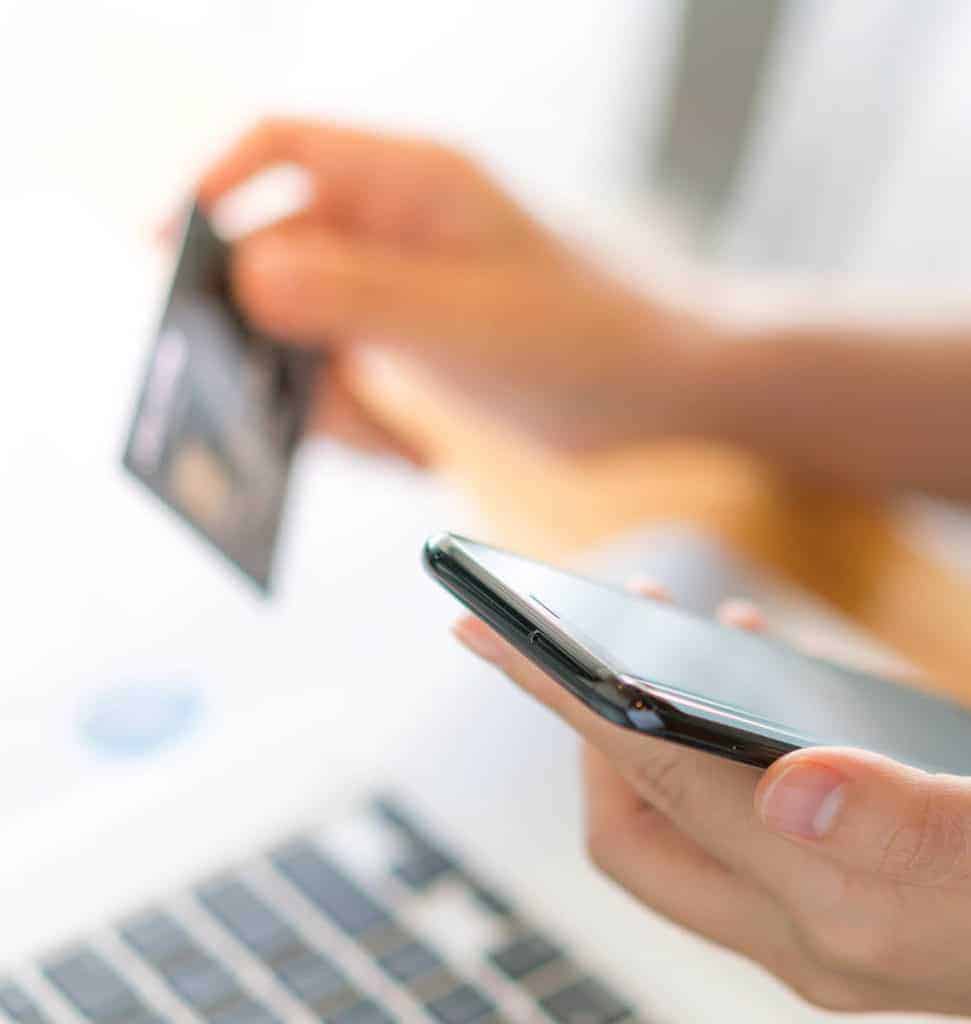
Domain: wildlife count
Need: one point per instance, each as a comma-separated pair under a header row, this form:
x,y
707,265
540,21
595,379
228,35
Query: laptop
x,y
273,865
193,898
401,842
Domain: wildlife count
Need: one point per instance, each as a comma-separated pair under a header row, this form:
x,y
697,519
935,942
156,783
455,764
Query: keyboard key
x,y
460,915
410,961
157,936
202,982
251,920
364,1012
329,888
585,1002
490,899
93,986
15,1002
196,977
394,814
524,955
460,1006
246,1011
312,978
425,862
421,867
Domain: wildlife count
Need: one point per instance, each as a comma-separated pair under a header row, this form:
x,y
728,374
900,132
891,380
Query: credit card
x,y
220,412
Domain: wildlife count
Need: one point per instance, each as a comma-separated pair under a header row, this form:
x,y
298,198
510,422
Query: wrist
x,y
710,390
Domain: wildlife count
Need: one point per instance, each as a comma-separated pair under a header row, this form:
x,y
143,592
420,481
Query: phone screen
x,y
814,701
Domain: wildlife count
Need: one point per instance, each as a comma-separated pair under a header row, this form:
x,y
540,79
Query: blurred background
x,y
772,155
735,112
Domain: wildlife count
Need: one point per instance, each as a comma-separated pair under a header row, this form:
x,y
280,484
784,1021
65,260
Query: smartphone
x,y
653,668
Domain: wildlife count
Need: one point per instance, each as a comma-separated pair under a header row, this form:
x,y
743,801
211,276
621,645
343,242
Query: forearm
x,y
849,407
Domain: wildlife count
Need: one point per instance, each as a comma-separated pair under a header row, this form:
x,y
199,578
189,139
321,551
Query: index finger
x,y
271,142
314,145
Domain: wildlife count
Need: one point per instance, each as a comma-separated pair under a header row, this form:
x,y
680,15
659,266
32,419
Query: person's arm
x,y
878,410
410,247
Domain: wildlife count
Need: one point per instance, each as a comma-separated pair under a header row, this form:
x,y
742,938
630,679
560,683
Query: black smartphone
x,y
653,668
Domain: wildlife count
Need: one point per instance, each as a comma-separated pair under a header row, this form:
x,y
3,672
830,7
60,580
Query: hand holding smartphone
x,y
664,672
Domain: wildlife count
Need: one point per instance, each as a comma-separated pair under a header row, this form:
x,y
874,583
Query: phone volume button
x,y
563,661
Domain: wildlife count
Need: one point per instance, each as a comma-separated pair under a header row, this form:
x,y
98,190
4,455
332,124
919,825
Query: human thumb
x,y
871,814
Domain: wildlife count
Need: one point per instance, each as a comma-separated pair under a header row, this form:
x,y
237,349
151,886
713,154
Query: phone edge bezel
x,y
670,720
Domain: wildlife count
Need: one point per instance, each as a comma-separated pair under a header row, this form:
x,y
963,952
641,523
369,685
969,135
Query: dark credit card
x,y
221,411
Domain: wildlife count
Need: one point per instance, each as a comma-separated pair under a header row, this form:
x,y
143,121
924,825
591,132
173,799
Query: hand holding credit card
x,y
221,411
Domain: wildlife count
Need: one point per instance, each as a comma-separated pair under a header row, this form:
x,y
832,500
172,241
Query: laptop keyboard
x,y
367,921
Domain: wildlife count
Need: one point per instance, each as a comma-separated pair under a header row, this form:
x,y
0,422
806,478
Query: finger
x,y
644,586
271,142
406,191
340,159
661,769
482,640
641,850
742,615
340,414
301,284
708,798
870,813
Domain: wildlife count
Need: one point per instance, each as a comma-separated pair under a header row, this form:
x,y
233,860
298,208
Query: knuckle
x,y
275,126
269,128
446,159
663,778
930,847
265,124
288,138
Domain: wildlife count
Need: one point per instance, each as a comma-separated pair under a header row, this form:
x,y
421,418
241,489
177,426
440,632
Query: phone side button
x,y
557,656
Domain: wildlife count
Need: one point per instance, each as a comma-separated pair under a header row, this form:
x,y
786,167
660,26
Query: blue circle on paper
x,y
139,719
